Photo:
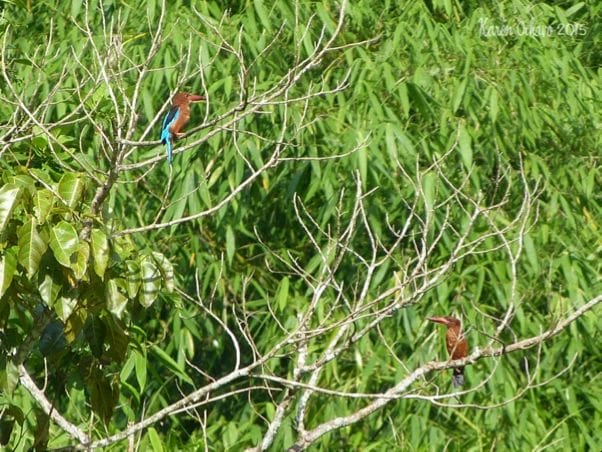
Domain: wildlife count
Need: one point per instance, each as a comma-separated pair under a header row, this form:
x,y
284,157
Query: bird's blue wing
x,y
170,118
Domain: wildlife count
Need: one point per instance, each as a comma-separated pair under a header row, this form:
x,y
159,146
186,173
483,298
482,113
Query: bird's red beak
x,y
195,98
442,320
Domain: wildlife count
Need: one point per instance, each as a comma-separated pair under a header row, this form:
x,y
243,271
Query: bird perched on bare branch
x,y
176,118
457,347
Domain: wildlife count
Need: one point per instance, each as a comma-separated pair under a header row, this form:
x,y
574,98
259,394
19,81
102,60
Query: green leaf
x,y
81,261
95,333
151,281
8,266
155,440
63,242
43,201
9,195
49,289
126,369
169,362
493,105
459,95
230,244
100,252
140,366
428,188
132,278
464,142
31,246
9,377
70,188
103,397
116,301
283,293
64,306
166,269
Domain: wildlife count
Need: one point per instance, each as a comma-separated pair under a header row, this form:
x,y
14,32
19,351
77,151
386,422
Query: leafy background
x,y
114,332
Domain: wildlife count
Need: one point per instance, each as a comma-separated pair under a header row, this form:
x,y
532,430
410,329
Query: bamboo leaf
x,y
230,244
172,365
155,440
464,142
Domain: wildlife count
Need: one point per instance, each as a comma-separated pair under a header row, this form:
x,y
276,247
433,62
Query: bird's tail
x,y
168,144
458,377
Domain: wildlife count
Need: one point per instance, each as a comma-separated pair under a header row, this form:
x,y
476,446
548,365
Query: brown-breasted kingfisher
x,y
176,119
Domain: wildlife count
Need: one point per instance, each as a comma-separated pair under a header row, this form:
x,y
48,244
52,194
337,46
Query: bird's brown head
x,y
186,98
448,321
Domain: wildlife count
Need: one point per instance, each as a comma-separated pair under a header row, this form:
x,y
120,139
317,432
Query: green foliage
x,y
48,268
435,100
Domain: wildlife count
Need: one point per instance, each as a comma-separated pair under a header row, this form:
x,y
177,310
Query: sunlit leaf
x,y
49,289
64,306
63,242
70,188
155,440
169,362
8,266
151,281
464,143
166,269
9,194
80,266
282,297
43,202
100,251
230,244
32,245
133,279
140,366
116,300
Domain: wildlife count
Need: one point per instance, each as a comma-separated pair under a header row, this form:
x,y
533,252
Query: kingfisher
x,y
457,347
177,118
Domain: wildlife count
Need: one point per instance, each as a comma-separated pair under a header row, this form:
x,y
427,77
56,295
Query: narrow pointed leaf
x,y
155,440
283,293
464,142
170,363
140,370
230,244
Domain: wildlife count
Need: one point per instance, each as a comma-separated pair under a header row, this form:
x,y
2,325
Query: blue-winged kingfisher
x,y
176,119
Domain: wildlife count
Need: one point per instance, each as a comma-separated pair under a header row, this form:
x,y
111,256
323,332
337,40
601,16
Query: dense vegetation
x,y
356,168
